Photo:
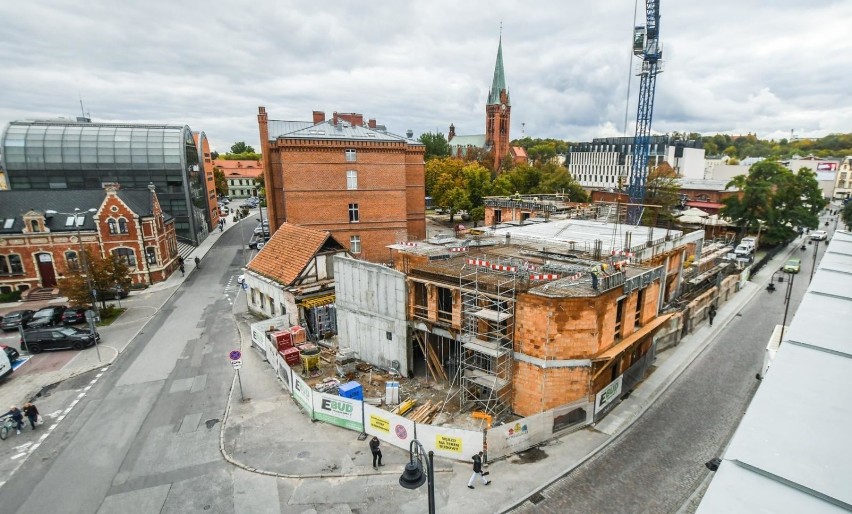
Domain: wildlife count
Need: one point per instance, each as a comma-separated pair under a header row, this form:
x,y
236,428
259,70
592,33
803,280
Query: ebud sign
x,y
608,394
336,410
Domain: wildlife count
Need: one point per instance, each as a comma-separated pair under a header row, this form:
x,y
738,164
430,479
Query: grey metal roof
x,y
477,140
342,131
278,128
13,204
704,184
791,451
498,83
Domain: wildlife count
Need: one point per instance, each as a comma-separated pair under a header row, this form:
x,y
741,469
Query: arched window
x,y
122,226
113,226
71,259
127,255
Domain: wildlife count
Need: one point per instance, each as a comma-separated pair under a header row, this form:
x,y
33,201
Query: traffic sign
x,y
235,355
237,364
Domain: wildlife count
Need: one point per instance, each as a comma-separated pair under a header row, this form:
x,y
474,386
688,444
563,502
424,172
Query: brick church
x,y
498,111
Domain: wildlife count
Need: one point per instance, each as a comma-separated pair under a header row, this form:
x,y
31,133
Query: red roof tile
x,y
288,252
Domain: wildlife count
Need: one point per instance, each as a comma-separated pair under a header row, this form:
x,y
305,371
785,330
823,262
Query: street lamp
x,y
787,301
413,476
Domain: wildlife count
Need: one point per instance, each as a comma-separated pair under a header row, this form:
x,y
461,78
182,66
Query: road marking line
x,y
43,437
87,388
104,369
81,395
34,447
60,418
95,380
51,427
18,456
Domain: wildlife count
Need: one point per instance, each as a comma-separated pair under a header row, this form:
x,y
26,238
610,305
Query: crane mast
x,y
646,45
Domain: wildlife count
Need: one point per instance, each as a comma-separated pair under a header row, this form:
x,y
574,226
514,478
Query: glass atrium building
x,y
66,154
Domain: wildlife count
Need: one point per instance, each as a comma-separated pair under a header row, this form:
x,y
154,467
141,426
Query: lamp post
x,y
413,476
787,301
816,249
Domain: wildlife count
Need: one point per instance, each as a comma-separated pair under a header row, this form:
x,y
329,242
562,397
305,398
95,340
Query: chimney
x,y
357,120
409,134
334,119
371,123
452,133
319,117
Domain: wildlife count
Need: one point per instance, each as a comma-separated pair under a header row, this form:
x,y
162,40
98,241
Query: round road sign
x,y
235,355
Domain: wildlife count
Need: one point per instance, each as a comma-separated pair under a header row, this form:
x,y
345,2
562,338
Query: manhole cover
x,y
536,498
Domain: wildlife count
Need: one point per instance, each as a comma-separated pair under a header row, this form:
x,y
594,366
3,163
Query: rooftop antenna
x,y
82,111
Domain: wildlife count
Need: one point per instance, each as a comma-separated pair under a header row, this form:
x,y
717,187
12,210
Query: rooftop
x,y
328,130
289,251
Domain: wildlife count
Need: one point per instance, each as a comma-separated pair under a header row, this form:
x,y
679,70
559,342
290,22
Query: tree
x,y
456,200
214,155
661,189
846,215
241,147
220,181
105,273
775,200
436,145
477,214
477,182
556,179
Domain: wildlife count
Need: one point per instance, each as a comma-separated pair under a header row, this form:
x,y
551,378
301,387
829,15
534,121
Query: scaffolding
x,y
488,289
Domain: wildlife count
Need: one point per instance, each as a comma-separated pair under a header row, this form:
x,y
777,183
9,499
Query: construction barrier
x,y
452,443
285,373
517,436
572,416
337,410
303,394
390,428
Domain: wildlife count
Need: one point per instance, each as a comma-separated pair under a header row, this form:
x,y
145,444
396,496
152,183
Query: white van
x,y
5,365
819,235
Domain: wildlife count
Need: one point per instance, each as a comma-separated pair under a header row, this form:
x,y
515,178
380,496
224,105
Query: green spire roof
x,y
499,82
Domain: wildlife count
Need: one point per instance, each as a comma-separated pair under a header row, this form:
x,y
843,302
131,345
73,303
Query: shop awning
x,y
628,341
317,301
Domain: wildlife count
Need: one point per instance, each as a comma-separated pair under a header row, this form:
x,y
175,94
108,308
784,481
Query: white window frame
x,y
354,213
355,244
351,155
351,179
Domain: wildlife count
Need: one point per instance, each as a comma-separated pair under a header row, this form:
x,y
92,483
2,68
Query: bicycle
x,y
8,424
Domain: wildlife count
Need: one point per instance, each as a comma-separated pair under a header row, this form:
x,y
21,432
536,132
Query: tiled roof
x,y
289,251
239,165
519,151
13,204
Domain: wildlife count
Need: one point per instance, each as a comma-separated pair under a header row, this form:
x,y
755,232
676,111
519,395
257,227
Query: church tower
x,y
497,112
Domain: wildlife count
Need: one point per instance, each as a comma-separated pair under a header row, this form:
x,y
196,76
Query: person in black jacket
x,y
477,471
17,416
31,412
377,453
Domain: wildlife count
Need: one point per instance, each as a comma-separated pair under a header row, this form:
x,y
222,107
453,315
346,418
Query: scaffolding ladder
x,y
488,290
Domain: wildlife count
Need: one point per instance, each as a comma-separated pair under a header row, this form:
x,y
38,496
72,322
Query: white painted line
x,y
18,456
51,427
93,381
35,446
43,437
81,395
87,388
99,375
104,369
22,447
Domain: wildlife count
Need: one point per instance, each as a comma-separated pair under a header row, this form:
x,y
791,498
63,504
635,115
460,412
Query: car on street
x,y
14,319
793,266
261,230
57,338
46,317
113,293
11,352
257,242
819,235
74,315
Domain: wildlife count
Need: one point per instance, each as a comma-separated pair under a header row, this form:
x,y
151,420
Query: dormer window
x,y
34,226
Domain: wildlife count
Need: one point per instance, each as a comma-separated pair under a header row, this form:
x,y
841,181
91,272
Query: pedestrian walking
x,y
182,269
712,313
376,451
477,471
17,416
31,412
198,263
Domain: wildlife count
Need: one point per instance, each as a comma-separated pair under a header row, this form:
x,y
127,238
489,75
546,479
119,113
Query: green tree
x,y
241,147
456,199
214,155
556,179
220,181
846,215
775,200
477,182
449,169
661,189
245,156
477,214
105,273
436,145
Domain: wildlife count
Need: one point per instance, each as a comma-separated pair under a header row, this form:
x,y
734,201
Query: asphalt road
x,y
657,464
146,436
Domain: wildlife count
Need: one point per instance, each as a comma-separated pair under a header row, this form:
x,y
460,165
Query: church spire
x,y
499,82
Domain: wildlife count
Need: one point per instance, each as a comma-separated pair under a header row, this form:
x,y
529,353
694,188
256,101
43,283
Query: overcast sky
x,y
730,66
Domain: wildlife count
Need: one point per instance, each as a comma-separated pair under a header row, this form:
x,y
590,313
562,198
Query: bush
x,y
14,296
109,314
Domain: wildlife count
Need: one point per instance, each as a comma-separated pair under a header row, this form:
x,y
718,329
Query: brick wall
x,y
538,389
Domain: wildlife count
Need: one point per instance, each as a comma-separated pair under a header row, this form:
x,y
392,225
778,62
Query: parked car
x,y
793,266
46,317
13,320
57,338
74,315
257,242
261,229
819,235
11,352
113,293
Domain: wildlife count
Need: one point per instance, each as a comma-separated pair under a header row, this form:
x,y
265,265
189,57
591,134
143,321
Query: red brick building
x,y
210,183
241,176
39,236
363,184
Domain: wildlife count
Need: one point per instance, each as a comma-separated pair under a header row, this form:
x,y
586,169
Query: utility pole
x,y
816,249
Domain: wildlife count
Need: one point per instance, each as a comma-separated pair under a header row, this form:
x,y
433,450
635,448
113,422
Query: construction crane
x,y
646,45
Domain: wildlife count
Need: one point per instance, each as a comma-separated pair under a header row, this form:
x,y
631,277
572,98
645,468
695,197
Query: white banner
x,y
302,393
337,410
390,428
519,435
608,394
572,416
452,443
284,371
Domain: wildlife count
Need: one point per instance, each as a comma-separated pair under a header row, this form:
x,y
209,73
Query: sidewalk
x,y
267,433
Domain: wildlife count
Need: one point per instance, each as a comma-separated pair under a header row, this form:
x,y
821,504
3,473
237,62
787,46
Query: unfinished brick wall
x,y
538,389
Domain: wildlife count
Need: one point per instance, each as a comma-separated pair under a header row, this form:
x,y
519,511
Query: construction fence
x,y
451,443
